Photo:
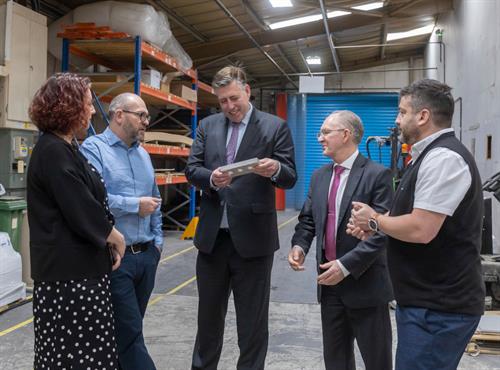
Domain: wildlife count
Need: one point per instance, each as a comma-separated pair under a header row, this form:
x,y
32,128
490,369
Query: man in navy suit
x,y
237,234
353,283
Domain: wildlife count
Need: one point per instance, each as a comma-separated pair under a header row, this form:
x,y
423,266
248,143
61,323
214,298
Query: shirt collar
x,y
349,162
420,146
113,139
246,119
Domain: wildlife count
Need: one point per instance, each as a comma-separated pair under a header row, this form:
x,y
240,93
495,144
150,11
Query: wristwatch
x,y
373,223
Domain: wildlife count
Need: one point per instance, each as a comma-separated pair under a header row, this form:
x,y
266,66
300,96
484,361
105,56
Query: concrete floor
x,y
170,324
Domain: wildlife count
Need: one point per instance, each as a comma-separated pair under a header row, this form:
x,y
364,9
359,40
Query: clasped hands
x,y
358,222
357,227
267,167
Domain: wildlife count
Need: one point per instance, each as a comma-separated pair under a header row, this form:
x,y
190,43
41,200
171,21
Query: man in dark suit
x,y
237,234
353,281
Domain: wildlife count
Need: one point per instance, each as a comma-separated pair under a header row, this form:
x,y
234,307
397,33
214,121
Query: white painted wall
x,y
391,77
471,34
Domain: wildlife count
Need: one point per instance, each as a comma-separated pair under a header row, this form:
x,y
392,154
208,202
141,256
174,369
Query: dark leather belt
x,y
224,230
138,247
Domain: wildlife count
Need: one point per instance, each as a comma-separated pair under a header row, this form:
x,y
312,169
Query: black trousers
x,y
371,327
218,274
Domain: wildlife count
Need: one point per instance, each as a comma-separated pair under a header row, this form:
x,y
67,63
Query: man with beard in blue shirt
x,y
134,200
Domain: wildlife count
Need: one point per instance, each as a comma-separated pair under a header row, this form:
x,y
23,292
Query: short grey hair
x,y
120,102
351,121
229,74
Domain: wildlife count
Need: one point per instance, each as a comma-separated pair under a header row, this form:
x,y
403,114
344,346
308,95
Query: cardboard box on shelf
x,y
180,89
151,77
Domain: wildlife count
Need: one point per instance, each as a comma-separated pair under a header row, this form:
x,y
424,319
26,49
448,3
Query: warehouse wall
x,y
471,37
389,77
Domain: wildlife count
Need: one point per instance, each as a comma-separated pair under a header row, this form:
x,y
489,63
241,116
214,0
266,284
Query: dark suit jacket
x,y
368,283
250,199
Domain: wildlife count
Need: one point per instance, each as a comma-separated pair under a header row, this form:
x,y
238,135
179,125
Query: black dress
x,y
69,223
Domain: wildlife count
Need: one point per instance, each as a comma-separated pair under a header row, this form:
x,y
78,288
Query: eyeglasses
x,y
325,132
143,116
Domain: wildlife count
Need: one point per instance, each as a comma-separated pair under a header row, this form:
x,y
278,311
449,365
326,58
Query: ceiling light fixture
x,y
313,60
281,3
370,6
415,32
307,19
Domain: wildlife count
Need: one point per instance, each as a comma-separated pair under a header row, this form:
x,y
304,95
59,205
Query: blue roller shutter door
x,y
377,111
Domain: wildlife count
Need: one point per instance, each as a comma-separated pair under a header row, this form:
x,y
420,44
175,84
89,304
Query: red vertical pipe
x,y
280,112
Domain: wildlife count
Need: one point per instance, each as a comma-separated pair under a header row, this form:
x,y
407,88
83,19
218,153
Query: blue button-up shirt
x,y
128,175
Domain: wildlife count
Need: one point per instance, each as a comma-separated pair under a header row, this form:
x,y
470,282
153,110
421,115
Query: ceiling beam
x,y
375,62
253,41
285,58
402,7
256,19
328,36
226,46
315,5
383,40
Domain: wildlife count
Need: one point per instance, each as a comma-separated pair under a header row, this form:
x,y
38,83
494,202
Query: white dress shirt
x,y
443,177
347,164
242,127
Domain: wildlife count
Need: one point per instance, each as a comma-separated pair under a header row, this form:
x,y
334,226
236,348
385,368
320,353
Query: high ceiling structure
x,y
219,32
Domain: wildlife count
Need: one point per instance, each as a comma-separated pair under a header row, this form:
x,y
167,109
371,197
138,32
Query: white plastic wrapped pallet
x,y
131,18
12,287
134,19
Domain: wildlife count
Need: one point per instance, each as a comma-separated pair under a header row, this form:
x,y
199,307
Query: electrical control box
x,y
15,151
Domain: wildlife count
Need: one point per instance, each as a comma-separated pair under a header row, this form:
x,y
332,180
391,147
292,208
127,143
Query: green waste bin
x,y
11,218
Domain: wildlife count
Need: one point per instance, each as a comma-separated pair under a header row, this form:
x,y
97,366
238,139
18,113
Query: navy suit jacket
x,y
250,199
368,283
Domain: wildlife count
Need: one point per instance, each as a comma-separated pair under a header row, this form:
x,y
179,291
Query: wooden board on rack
x,y
149,94
171,178
168,138
166,150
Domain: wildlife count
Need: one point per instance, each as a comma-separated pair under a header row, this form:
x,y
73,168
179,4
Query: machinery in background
x,y
15,150
399,152
489,261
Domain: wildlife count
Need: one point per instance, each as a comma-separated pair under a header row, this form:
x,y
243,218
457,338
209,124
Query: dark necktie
x,y
233,143
330,234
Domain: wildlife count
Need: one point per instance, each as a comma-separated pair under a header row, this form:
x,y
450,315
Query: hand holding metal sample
x,y
240,168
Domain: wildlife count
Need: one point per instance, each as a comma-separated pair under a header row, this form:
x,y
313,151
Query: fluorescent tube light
x,y
307,19
313,60
281,3
415,32
370,6
337,13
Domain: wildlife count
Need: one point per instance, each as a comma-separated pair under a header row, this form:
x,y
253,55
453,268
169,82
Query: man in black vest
x,y
434,232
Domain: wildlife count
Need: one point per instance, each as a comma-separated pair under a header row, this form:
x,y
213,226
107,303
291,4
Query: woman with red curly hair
x,y
73,243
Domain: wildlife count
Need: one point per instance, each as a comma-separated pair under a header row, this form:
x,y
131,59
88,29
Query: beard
x,y
133,133
408,135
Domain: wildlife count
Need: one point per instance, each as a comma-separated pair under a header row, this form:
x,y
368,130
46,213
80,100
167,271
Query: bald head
x,y
349,120
129,117
124,101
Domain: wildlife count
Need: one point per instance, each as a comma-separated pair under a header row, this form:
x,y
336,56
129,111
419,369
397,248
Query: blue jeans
x,y
432,340
131,287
